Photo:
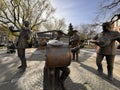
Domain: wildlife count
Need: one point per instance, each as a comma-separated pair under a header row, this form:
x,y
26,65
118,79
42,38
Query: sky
x,y
76,11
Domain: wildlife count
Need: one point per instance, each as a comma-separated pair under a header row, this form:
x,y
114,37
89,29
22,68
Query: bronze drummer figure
x,y
65,70
105,42
57,55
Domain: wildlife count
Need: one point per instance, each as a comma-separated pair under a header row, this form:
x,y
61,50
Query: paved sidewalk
x,y
83,75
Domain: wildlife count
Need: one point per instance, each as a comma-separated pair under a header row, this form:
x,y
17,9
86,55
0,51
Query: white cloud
x,y
74,11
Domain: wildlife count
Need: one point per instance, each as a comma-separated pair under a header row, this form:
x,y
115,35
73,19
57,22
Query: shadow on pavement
x,y
37,55
83,56
8,65
9,74
11,84
70,85
115,82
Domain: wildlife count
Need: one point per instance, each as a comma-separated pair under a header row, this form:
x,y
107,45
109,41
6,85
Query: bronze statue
x,y
74,42
22,43
58,58
105,42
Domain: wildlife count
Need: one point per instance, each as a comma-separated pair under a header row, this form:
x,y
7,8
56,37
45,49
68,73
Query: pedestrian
x,y
22,43
105,42
74,42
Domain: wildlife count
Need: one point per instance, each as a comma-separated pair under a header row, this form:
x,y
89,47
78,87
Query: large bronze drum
x,y
58,55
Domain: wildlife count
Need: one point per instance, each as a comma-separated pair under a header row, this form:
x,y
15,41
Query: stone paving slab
x,y
88,64
95,82
83,75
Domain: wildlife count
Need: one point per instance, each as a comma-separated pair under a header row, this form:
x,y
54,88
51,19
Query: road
x,y
83,74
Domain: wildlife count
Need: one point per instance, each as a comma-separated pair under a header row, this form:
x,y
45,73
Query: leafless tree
x,y
87,30
55,24
16,11
107,9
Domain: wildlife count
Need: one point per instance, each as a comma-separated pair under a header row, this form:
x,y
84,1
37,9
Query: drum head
x,y
55,43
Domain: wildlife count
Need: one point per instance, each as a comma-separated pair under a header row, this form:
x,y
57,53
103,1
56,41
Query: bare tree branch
x,y
112,5
38,23
108,8
36,12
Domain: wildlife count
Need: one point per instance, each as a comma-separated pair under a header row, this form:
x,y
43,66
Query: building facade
x,y
116,25
3,37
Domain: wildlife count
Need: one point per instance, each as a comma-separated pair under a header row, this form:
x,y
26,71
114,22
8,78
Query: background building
x,y
116,25
3,37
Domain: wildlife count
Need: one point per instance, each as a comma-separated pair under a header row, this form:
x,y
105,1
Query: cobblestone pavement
x,y
83,75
